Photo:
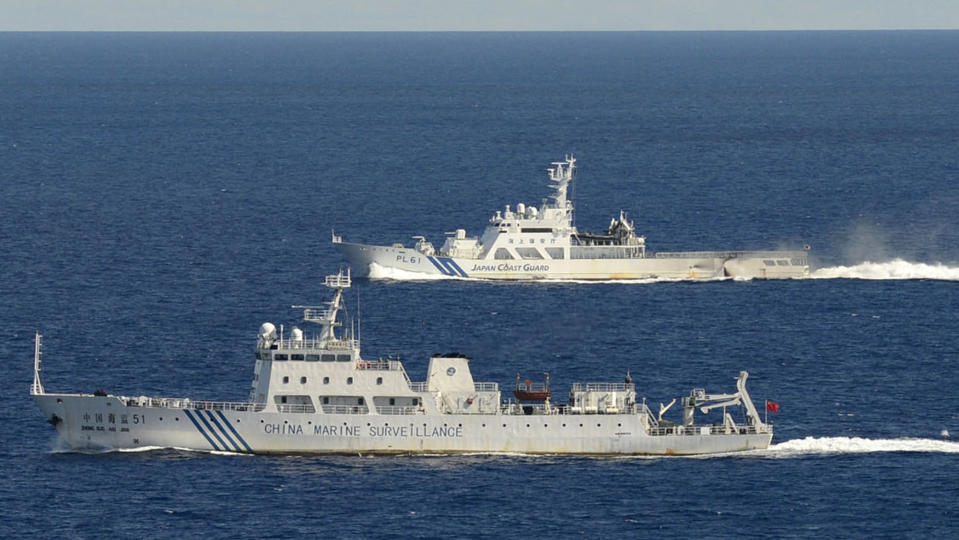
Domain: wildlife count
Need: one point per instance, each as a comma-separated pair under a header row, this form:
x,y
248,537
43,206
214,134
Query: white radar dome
x,y
267,331
297,334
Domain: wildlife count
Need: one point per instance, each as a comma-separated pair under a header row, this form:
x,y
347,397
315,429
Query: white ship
x,y
318,395
542,243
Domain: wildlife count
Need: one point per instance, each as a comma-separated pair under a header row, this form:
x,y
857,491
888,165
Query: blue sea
x,y
164,194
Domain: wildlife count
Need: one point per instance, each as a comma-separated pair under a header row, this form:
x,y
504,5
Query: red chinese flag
x,y
772,407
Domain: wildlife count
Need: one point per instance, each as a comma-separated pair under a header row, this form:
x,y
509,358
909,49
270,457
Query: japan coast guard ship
x,y
319,395
541,243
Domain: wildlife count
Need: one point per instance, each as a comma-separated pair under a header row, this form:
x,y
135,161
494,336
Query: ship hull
x,y
367,259
86,422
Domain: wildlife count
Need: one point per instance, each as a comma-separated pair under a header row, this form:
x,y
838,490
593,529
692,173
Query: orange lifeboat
x,y
529,391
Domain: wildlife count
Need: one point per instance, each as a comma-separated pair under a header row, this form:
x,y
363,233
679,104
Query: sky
x,y
474,15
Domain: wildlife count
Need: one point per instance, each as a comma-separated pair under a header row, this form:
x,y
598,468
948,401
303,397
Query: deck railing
x,y
380,365
710,430
316,343
295,408
396,410
184,403
726,254
602,387
345,409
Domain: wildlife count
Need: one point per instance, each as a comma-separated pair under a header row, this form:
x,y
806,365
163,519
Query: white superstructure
x,y
530,242
315,393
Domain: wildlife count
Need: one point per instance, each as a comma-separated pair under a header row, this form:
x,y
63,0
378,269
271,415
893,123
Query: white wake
x,y
891,270
381,272
897,269
856,445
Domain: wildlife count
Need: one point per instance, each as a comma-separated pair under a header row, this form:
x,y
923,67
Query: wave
x,y
62,448
381,272
897,269
856,445
891,270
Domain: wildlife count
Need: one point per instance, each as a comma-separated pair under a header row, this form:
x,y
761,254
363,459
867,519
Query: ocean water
x,y
164,194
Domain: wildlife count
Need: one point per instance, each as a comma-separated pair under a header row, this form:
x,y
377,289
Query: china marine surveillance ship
x,y
542,243
317,394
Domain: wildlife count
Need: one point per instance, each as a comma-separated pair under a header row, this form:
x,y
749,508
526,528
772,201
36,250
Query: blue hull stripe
x,y
200,429
212,431
456,267
223,431
233,430
447,266
438,266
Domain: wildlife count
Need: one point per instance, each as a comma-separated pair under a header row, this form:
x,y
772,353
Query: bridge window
x,y
286,380
326,380
302,380
529,253
349,380
503,254
296,357
555,253
342,358
312,358
327,358
379,380
279,357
